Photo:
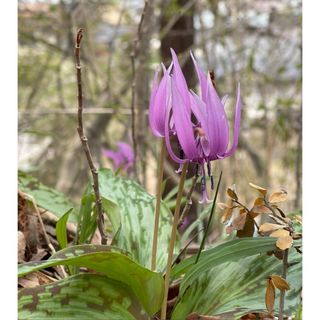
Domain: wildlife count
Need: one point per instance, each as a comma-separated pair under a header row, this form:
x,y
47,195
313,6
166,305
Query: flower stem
x,y
157,212
172,240
284,276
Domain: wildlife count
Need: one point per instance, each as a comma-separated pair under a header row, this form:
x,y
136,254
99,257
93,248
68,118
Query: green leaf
x,y
235,288
112,262
61,229
233,250
128,205
45,197
84,296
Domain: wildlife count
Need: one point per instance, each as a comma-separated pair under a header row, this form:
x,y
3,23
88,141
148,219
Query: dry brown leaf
x,y
260,209
238,223
284,242
277,197
258,202
280,233
196,316
269,227
270,296
263,191
279,282
227,213
232,194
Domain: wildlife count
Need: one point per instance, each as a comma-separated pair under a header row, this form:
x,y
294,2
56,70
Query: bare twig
x,y
84,141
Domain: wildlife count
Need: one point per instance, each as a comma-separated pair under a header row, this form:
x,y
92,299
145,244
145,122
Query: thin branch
x,y
84,141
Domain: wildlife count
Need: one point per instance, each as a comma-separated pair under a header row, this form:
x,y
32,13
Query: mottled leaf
x,y
80,297
45,197
135,213
237,287
112,262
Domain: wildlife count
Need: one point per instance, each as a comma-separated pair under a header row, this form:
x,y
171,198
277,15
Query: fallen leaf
x,y
229,229
280,233
284,242
279,282
269,227
263,191
277,197
270,296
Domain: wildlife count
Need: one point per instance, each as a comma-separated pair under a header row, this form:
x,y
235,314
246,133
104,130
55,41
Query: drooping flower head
x,y
199,122
208,138
123,157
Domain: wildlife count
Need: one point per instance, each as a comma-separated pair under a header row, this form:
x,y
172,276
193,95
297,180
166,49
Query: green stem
x,y
172,240
157,210
210,219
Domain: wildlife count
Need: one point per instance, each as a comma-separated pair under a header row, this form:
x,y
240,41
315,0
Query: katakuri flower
x,y
123,157
207,138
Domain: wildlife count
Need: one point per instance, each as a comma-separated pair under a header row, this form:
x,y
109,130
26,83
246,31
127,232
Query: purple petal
x,y
202,79
217,122
236,129
183,125
115,156
158,105
181,83
127,151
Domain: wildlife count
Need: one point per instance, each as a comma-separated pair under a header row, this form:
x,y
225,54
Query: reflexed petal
x,y
217,122
158,105
236,129
202,79
183,124
181,83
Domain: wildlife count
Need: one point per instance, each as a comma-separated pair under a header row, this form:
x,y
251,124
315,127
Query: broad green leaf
x,y
235,288
233,250
45,197
80,297
112,262
131,212
61,229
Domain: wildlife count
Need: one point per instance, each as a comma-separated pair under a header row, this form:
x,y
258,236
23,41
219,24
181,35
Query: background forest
x,y
256,43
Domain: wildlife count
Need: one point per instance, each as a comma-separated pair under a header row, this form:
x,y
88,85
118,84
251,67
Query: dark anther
x,y
203,183
212,182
